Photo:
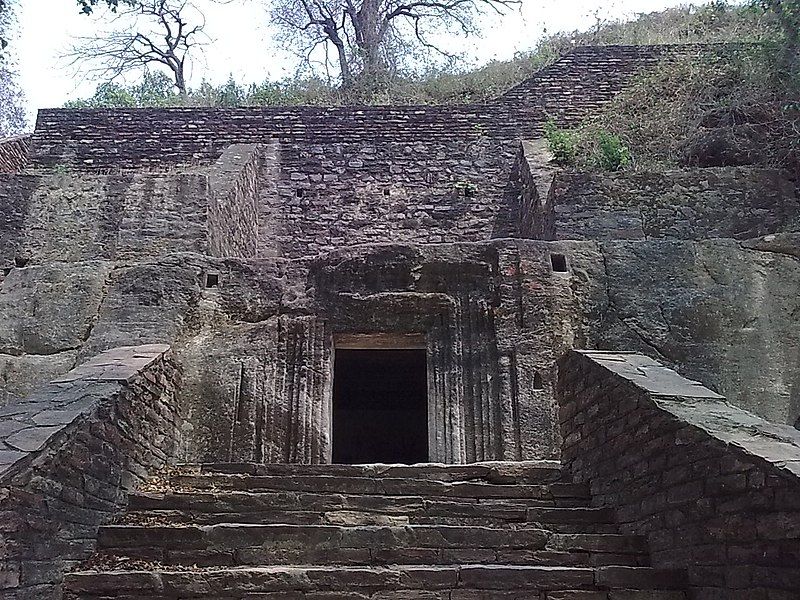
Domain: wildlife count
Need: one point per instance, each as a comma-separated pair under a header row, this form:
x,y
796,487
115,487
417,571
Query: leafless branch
x,y
147,33
371,36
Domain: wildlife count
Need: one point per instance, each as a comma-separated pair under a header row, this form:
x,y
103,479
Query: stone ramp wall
x,y
69,455
724,202
76,216
714,488
15,197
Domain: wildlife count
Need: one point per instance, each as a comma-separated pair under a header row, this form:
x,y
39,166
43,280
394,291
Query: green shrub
x,y
563,143
610,153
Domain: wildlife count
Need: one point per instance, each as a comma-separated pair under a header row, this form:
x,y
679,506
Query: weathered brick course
x,y
14,153
69,455
714,488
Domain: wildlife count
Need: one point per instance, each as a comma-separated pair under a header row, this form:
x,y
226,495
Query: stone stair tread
x,y
200,582
378,486
373,536
351,518
498,471
290,501
492,531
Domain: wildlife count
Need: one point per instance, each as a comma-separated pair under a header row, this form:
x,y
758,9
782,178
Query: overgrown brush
x,y
736,106
740,101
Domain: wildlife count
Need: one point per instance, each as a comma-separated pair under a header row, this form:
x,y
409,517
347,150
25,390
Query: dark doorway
x,y
380,407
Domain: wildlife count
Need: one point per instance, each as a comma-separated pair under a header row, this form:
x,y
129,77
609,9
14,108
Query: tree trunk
x,y
344,64
369,38
180,81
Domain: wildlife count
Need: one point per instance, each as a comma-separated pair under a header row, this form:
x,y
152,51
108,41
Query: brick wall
x,y
429,191
575,86
69,455
233,202
14,153
714,488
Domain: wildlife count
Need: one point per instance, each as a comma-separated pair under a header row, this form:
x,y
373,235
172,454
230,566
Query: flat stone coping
x,y
27,424
756,438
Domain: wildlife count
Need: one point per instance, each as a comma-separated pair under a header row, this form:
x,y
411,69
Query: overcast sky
x,y
242,43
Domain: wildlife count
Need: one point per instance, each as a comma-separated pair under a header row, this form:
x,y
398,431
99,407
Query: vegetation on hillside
x,y
715,22
740,107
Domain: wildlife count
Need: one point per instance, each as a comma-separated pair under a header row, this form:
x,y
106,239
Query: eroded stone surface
x,y
51,308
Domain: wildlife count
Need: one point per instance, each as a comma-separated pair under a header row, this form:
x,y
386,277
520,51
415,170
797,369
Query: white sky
x,y
242,43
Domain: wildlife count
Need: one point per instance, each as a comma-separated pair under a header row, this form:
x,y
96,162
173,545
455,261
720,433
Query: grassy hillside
x,y
715,22
739,108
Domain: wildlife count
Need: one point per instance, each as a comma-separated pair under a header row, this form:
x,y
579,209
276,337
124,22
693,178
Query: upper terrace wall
x,y
574,87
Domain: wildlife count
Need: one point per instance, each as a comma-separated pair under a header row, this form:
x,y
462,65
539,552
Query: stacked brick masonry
x,y
14,153
233,202
71,453
434,191
534,171
714,488
572,88
588,74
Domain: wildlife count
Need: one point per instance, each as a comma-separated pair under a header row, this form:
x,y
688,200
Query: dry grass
x,y
742,93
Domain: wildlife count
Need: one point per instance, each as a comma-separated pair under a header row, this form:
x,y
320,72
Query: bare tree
x,y
370,38
147,33
12,113
87,6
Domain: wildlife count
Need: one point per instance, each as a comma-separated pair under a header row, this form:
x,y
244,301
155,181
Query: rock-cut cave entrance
x,y
380,405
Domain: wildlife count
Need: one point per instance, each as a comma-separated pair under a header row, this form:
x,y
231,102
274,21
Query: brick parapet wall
x,y
71,453
14,153
575,86
714,488
233,202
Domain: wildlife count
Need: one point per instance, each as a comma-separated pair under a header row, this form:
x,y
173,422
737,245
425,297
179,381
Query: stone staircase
x,y
459,532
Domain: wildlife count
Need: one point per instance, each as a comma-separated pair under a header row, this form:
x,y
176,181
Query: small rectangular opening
x,y
559,263
212,280
380,406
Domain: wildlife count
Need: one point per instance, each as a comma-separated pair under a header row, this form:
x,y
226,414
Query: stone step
x,y
500,472
309,508
247,544
464,582
559,524
383,486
